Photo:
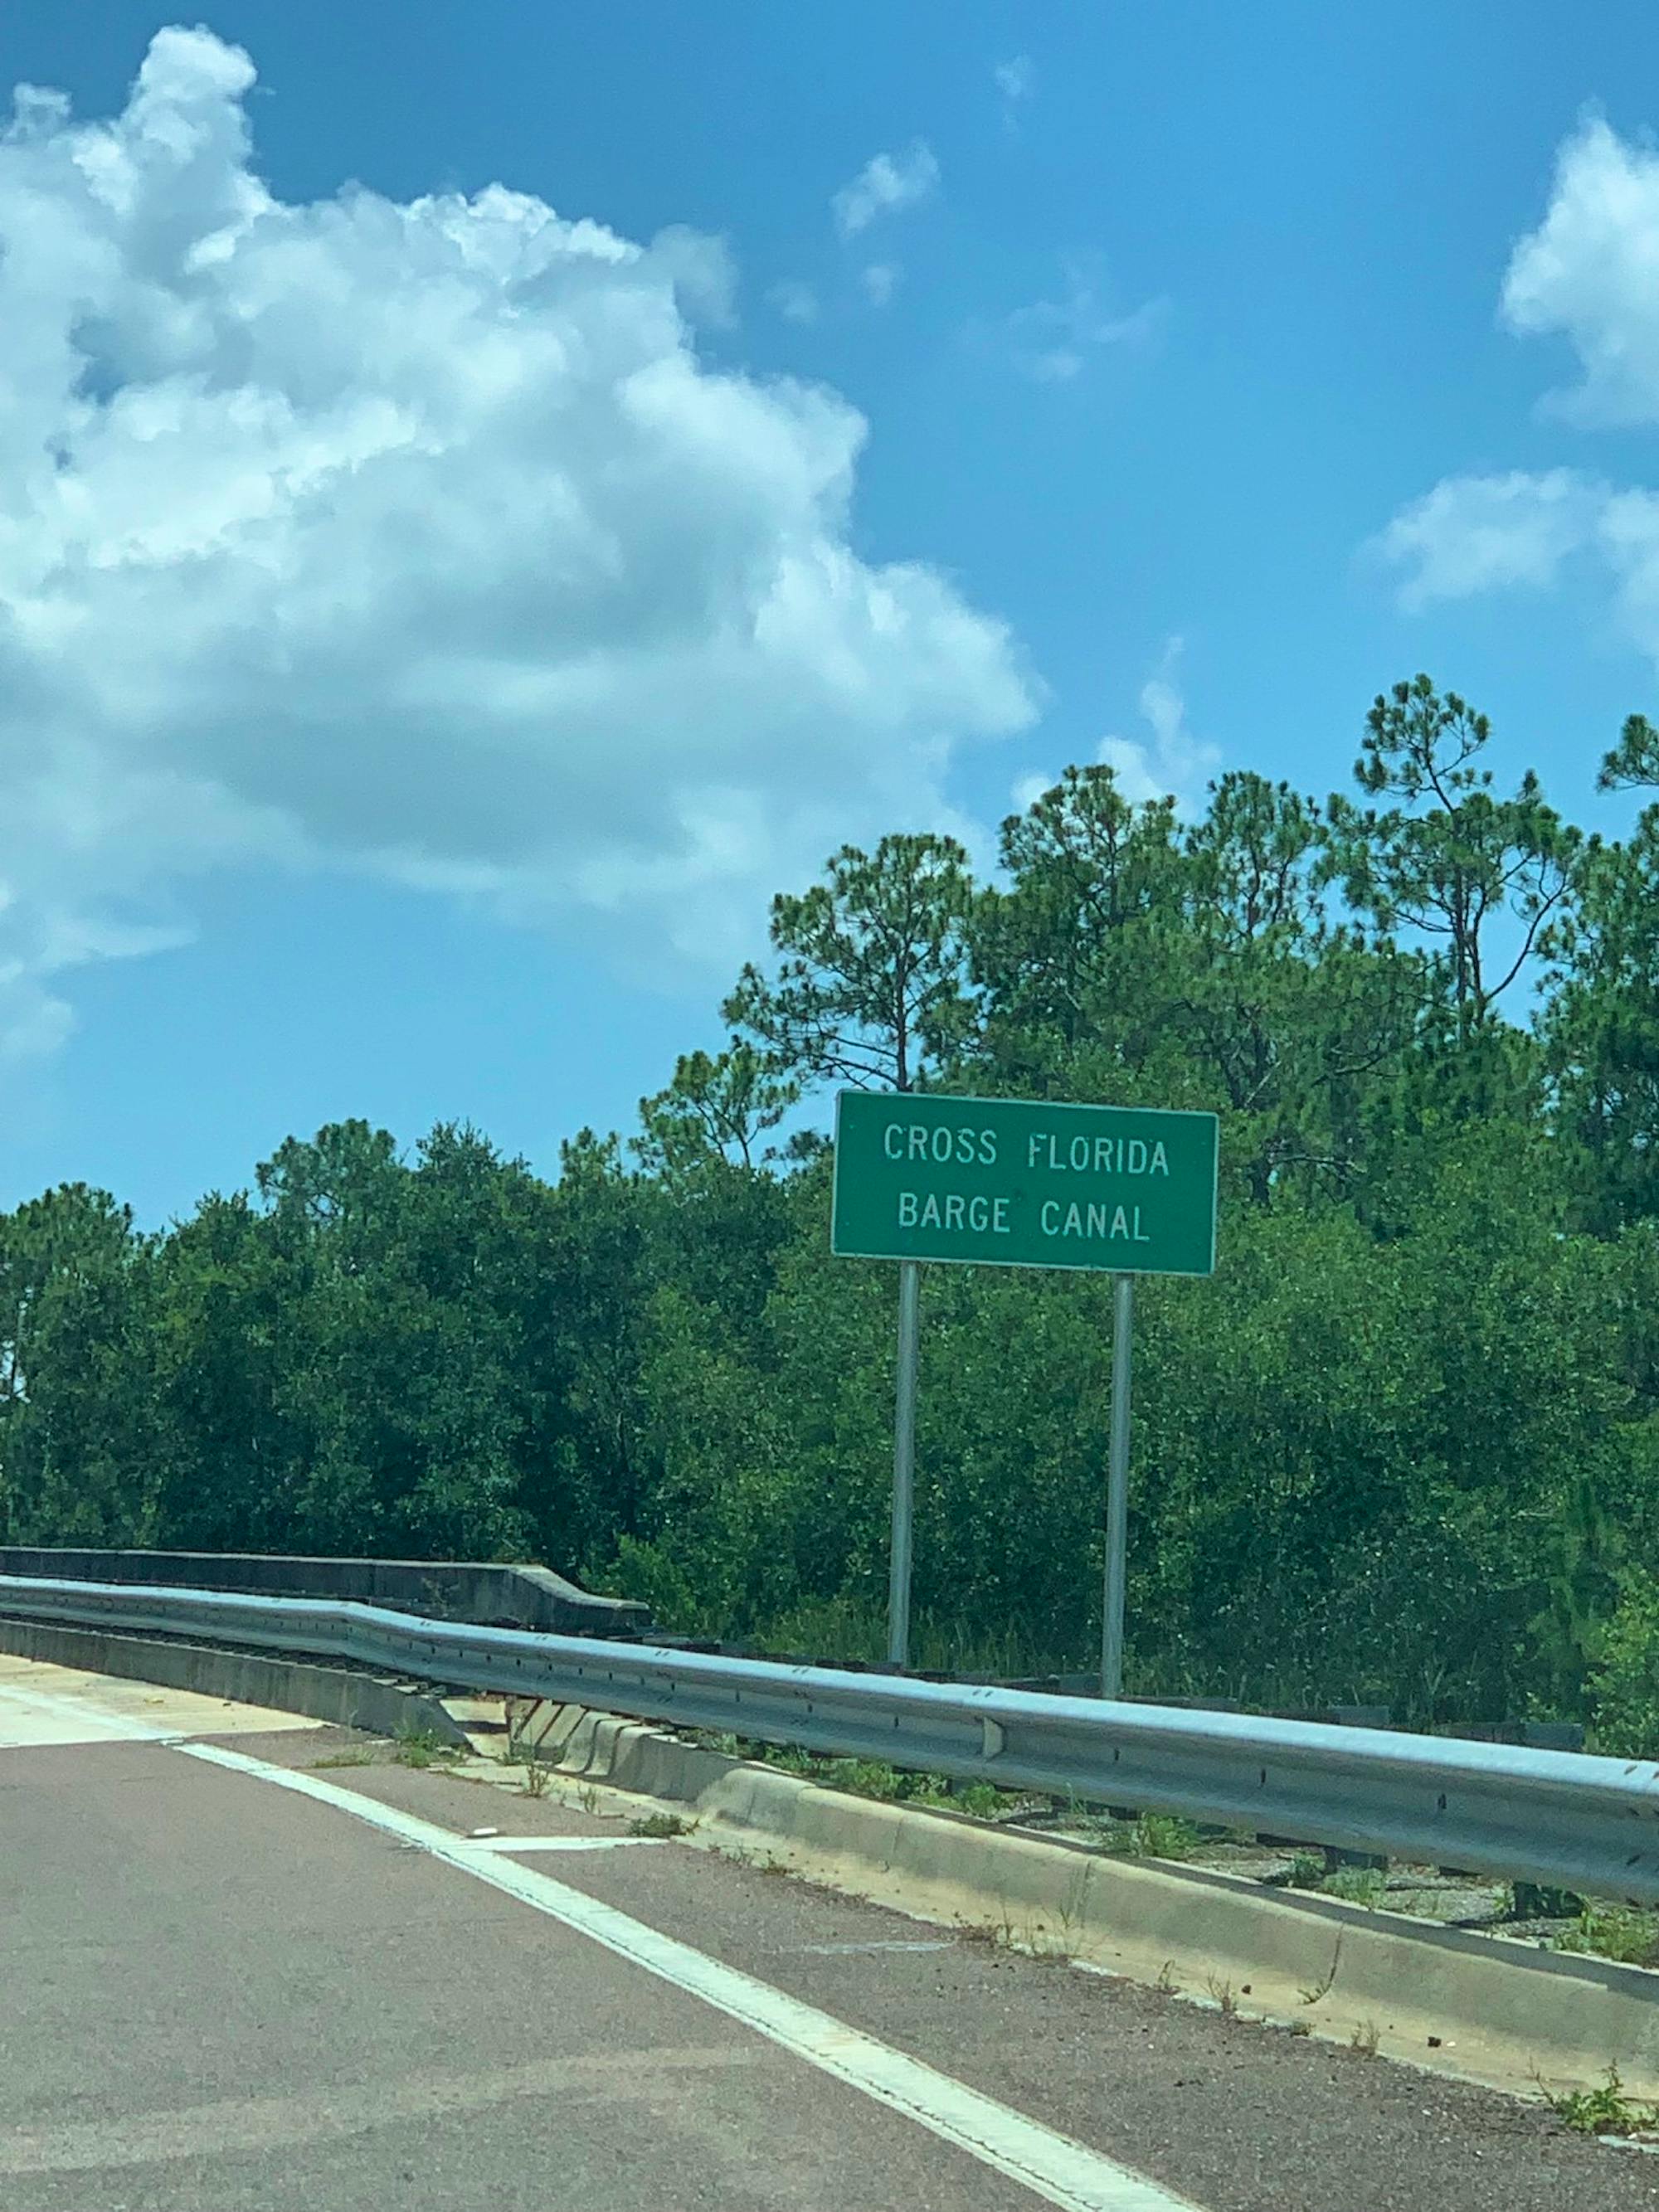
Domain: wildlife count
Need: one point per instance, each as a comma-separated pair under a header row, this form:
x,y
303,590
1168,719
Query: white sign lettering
x,y
1122,1222
953,1209
1095,1155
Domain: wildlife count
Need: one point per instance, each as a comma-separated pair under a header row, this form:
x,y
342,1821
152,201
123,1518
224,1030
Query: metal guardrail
x,y
508,1596
1545,1816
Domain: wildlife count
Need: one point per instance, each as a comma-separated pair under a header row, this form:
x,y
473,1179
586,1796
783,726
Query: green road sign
x,y
1015,1183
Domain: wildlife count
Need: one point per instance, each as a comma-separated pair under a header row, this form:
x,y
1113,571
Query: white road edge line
x,y
1051,2166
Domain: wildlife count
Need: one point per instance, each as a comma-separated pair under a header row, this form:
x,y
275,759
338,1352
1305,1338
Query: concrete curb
x,y
292,1686
1502,2012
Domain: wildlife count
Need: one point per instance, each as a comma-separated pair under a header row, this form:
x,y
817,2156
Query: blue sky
x,y
430,634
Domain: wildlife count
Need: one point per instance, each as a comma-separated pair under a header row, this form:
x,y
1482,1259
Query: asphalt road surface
x,y
253,1965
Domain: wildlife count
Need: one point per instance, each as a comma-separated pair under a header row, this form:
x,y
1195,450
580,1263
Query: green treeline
x,y
1404,1446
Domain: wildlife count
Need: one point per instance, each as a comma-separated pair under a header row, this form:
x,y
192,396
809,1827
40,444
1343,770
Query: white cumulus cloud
x,y
1628,538
886,184
1026,790
1051,340
1169,760
417,539
795,301
1472,534
1589,272
1016,80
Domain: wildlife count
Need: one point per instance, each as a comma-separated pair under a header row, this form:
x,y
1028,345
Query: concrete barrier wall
x,y
247,1678
489,1593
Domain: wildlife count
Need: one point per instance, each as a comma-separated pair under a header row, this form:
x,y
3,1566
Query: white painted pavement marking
x,y
561,1843
849,1950
30,1718
43,1705
1055,2167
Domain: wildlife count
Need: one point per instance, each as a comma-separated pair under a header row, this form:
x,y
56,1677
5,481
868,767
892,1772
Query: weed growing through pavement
x,y
536,1778
1365,2039
995,1935
1322,1989
423,1747
1603,2111
1366,1885
1161,1836
1615,1931
660,1825
344,1759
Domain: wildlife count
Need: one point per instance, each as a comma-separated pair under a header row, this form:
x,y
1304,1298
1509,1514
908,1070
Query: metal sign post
x,y
1021,1182
904,1466
1117,1491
